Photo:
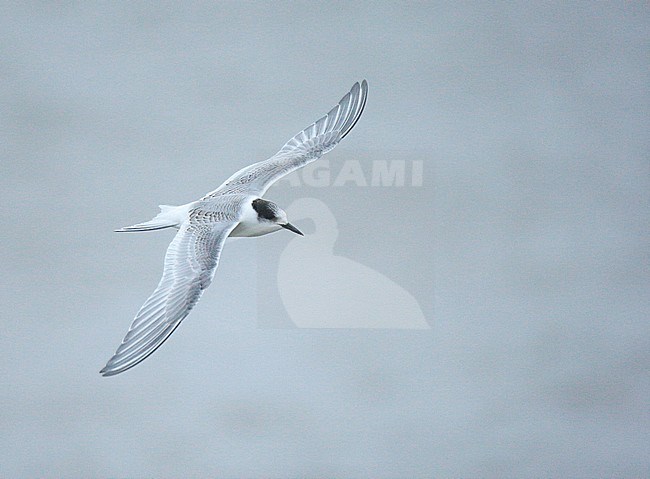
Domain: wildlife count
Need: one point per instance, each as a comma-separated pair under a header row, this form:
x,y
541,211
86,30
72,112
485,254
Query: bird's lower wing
x,y
190,263
307,146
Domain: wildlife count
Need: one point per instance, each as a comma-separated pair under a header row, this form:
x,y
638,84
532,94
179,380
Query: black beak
x,y
291,227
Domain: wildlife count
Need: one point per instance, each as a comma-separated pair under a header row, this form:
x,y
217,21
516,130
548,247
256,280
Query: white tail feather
x,y
168,217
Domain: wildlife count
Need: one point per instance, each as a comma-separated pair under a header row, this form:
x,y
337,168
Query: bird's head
x,y
269,212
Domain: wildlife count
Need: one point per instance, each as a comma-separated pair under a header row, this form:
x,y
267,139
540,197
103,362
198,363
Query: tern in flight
x,y
236,208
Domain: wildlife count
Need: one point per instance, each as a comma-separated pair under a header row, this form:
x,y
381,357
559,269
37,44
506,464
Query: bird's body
x,y
235,209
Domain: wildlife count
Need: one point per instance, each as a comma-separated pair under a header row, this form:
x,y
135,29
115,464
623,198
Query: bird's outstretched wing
x,y
190,263
307,146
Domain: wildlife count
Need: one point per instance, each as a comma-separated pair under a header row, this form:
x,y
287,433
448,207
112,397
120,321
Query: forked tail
x,y
167,218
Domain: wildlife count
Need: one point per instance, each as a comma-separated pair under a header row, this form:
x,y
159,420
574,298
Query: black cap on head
x,y
265,209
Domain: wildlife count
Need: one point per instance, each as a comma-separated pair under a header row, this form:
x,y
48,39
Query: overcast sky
x,y
525,246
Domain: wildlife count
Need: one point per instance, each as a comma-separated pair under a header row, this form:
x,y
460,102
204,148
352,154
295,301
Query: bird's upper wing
x,y
190,263
307,146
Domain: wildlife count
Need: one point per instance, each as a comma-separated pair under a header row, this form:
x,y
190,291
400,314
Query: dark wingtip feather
x,y
364,97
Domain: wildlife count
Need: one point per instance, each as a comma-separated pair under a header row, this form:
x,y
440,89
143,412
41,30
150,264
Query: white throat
x,y
250,224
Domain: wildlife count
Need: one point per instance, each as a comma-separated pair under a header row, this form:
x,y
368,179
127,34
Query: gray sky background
x,y
533,121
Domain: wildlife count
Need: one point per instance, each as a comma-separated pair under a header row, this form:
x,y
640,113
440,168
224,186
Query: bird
x,y
234,209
